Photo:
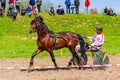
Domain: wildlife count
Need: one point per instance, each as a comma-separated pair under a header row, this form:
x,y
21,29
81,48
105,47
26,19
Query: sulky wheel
x,y
101,58
82,58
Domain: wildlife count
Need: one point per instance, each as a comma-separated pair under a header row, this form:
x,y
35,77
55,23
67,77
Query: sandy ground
x,y
112,73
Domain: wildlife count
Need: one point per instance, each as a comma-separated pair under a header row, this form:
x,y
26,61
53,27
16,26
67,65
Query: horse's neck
x,y
43,30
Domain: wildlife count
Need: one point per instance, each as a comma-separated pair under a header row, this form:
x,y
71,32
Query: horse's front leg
x,y
32,59
53,59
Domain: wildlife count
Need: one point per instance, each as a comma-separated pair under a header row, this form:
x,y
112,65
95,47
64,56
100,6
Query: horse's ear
x,y
40,18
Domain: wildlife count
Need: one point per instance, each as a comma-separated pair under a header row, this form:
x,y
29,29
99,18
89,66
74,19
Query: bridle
x,y
37,27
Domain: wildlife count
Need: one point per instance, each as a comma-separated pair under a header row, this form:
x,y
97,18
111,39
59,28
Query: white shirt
x,y
17,2
97,39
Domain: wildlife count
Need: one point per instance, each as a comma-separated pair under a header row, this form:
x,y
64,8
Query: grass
x,y
16,42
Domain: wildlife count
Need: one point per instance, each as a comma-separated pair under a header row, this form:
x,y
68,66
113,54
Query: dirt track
x,y
112,73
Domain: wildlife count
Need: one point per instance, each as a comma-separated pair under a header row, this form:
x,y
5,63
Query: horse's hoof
x,y
68,67
30,68
69,64
56,67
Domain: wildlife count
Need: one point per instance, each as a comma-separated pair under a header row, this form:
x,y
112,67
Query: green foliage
x,y
16,42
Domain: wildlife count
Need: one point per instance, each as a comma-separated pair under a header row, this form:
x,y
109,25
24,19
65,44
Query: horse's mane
x,y
62,32
37,18
40,20
46,29
51,32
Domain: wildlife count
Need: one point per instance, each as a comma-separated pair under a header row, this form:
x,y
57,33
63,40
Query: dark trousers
x,y
18,8
68,9
39,8
1,15
14,17
3,5
86,11
77,9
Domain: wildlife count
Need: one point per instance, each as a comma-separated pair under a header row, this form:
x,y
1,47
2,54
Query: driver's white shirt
x,y
97,39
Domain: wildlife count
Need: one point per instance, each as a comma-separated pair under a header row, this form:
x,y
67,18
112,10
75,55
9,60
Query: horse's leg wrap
x,y
53,59
32,58
77,57
70,62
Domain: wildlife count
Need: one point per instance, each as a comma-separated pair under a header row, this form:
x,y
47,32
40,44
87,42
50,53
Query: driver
x,y
97,39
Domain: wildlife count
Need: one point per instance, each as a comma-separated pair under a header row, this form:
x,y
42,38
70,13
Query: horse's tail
x,y
81,41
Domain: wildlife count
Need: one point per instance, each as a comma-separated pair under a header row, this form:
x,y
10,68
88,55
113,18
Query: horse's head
x,y
35,23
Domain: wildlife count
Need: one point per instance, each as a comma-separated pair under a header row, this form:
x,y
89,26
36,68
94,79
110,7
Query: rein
x,y
74,39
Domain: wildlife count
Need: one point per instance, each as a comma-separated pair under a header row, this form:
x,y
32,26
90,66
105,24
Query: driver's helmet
x,y
99,28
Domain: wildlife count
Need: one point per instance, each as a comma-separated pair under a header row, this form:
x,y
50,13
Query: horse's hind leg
x,y
74,55
70,62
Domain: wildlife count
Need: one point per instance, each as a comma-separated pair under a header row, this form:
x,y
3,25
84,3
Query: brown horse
x,y
49,41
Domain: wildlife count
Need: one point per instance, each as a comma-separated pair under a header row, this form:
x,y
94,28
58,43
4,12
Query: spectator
x,y
106,10
11,6
76,3
1,12
34,11
14,14
32,2
11,2
39,3
28,10
9,13
51,11
87,4
60,10
3,4
67,3
72,8
23,11
17,4
111,12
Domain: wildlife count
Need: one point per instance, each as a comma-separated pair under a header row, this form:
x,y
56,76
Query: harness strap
x,y
55,37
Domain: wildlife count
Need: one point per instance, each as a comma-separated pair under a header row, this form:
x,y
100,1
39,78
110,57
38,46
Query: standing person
x,y
76,3
32,2
67,3
39,3
97,39
3,4
87,4
11,2
17,4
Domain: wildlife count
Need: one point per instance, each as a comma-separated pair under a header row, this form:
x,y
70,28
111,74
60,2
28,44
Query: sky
x,y
99,4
